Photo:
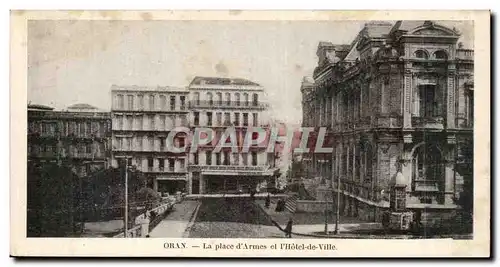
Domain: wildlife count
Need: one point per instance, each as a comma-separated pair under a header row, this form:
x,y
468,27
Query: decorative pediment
x,y
430,28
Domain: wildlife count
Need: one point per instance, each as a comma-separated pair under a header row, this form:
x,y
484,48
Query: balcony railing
x,y
427,122
165,169
229,167
227,104
465,54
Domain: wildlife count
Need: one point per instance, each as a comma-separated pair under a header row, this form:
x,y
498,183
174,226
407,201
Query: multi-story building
x,y
219,103
142,119
397,100
79,139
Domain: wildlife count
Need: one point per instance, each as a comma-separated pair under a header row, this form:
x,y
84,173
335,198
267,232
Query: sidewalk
x,y
177,221
308,224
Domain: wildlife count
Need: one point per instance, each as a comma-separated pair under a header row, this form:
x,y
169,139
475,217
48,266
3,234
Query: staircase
x,y
291,203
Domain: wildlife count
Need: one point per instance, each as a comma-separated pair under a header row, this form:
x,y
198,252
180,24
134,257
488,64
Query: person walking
x,y
268,201
288,228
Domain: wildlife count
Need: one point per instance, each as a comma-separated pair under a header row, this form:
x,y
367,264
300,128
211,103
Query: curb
x,y
191,221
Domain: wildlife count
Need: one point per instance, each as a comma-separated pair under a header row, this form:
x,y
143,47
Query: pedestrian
x,y
268,201
288,228
252,195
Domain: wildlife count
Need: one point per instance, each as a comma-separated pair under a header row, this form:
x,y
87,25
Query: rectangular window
x,y
163,102
172,102
219,118
161,164
197,98
183,102
428,101
129,123
196,119
120,102
237,119
255,119
152,124
152,102
245,119
130,101
161,125
226,158
151,143
209,118
150,164
217,159
171,164
254,158
195,158
182,164
227,119
139,122
162,143
209,158
140,99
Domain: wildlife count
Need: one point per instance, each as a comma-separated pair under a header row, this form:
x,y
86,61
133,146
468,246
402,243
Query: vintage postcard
x,y
245,133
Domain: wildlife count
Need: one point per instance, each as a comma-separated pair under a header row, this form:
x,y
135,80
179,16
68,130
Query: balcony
x,y
465,54
240,169
427,122
228,104
164,170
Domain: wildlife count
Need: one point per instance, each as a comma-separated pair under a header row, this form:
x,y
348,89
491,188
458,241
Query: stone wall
x,y
312,206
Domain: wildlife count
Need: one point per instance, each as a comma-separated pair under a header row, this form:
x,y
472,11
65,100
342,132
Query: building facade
x,y
221,103
398,99
142,120
79,139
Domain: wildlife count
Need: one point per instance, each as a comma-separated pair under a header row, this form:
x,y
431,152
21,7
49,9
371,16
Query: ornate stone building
x,y
219,103
142,119
399,98
78,138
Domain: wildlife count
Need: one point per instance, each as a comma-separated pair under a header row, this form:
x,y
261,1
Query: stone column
x,y
407,91
450,92
190,183
202,184
449,170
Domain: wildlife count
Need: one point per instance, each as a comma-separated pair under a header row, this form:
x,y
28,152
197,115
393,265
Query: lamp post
x,y
338,206
126,200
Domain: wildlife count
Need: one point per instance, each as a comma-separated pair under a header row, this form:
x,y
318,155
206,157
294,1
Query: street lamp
x,y
126,197
338,207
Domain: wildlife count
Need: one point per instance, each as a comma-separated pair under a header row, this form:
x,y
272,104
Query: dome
x,y
398,179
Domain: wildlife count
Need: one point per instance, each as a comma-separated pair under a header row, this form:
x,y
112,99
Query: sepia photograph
x,y
236,129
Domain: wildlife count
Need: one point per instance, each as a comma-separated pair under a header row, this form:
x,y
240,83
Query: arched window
x,y
210,99
246,99
228,99
237,96
427,169
219,98
440,55
421,54
255,99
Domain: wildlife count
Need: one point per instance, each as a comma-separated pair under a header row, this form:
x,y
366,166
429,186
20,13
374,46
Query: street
x,y
232,218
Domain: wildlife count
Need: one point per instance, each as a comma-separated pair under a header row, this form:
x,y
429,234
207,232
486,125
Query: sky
x,y
77,61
